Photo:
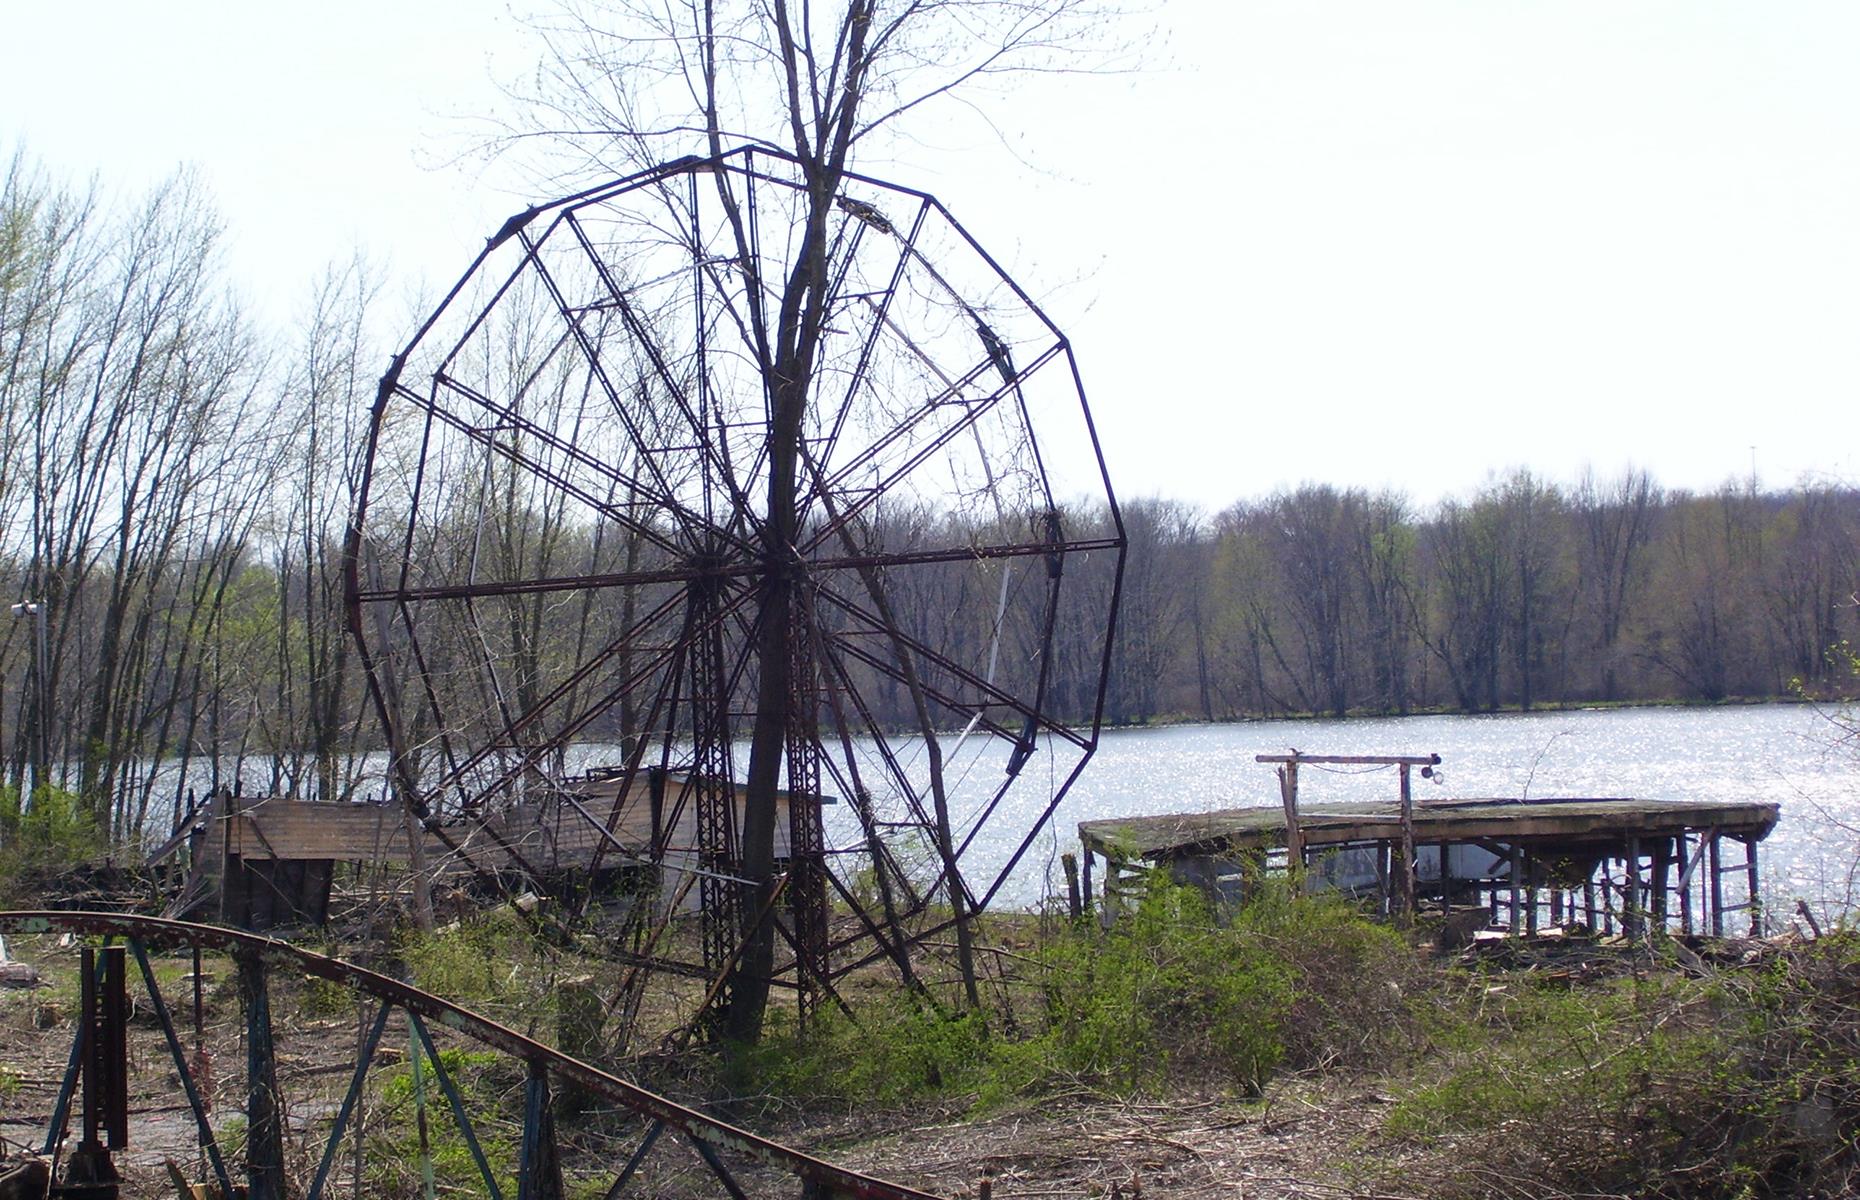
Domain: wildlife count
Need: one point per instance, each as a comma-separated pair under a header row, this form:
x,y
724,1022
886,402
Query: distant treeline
x,y
1333,601
175,481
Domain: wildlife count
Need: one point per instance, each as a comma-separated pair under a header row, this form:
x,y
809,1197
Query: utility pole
x,y
40,755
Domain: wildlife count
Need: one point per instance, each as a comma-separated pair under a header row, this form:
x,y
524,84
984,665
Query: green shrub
x,y
1360,991
1740,1084
889,1054
489,962
485,1081
42,840
1166,984
1168,993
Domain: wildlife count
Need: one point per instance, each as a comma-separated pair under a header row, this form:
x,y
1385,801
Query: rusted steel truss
x,y
568,541
97,1073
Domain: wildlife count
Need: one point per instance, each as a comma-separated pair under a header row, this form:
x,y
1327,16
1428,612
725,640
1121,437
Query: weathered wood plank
x,y
551,837
1563,820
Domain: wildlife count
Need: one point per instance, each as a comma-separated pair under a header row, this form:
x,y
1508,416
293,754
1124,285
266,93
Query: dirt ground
x,y
1297,1142
1288,1146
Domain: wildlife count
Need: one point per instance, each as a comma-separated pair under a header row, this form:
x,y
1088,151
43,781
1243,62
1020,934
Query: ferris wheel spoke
x,y
957,554
548,473
881,311
653,666
715,464
1034,829
592,357
626,643
892,764
686,573
841,481
987,695
899,436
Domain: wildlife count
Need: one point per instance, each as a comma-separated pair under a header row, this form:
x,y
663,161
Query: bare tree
x,y
1468,567
1311,530
129,388
1615,524
1156,605
1383,555
329,381
1530,528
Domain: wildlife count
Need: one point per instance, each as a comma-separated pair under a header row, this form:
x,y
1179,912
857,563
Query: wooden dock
x,y
1608,863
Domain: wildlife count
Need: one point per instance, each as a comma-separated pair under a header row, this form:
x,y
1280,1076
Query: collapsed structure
x,y
1608,864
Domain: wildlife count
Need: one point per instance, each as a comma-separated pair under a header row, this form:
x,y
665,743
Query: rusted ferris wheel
x,y
751,544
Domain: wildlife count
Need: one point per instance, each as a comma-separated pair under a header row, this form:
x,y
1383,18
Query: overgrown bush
x,y
1167,985
490,962
890,1054
487,1082
1170,993
1742,1084
42,840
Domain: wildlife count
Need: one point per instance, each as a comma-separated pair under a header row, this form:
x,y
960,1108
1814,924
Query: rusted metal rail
x,y
98,1063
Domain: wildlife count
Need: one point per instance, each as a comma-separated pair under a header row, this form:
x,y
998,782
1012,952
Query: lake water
x,y
1775,752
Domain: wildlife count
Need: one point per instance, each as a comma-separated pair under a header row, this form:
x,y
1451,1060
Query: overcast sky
x,y
1365,243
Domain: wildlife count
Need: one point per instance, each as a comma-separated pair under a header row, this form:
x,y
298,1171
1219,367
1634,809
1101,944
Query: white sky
x,y
1359,242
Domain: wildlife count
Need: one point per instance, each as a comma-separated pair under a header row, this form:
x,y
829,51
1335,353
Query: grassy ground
x,y
1296,1050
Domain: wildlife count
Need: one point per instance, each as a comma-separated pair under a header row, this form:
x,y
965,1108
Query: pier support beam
x,y
1756,898
1715,880
1662,872
1517,883
1633,908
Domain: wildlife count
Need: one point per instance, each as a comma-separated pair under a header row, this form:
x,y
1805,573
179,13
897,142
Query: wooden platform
x,y
1611,864
1576,821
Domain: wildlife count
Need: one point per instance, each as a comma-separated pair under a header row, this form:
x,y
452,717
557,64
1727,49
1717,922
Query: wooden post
x,y
1517,881
1708,894
580,1014
1075,907
1085,879
229,812
1684,887
1715,881
1294,839
1756,904
1633,922
1406,879
1662,872
1530,897
1385,893
539,1168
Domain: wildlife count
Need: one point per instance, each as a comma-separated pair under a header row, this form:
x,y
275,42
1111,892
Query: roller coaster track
x,y
256,956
